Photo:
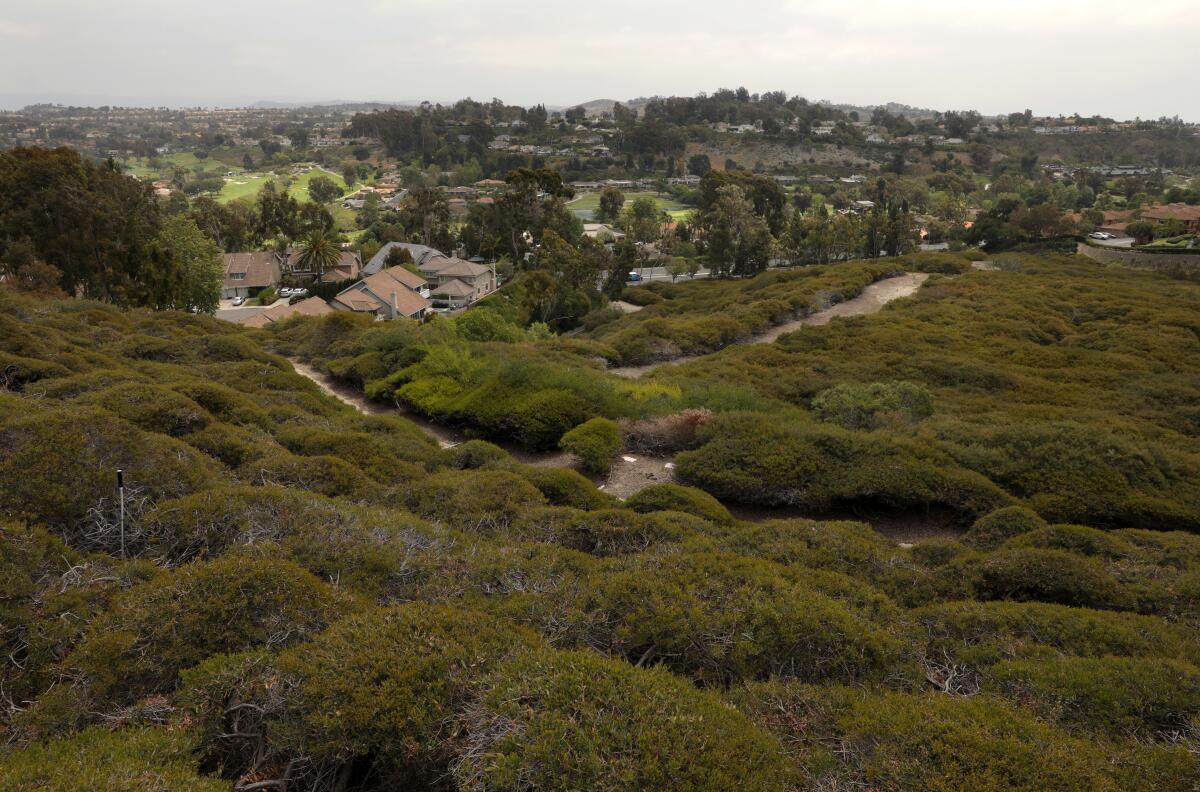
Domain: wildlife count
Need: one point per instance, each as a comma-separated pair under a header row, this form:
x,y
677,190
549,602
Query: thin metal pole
x,y
121,501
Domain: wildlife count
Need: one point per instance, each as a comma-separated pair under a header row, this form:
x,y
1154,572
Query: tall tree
x,y
739,242
612,200
318,253
198,261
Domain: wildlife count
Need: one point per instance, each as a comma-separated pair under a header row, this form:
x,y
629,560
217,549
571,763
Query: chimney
x,y
395,305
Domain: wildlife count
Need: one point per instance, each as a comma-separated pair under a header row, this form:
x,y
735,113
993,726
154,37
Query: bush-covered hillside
x,y
1046,382
313,598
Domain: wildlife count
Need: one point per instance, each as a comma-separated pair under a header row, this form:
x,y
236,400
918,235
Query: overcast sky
x,y
1118,59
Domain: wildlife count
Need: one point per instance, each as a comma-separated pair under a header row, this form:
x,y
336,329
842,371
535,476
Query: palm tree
x,y
318,253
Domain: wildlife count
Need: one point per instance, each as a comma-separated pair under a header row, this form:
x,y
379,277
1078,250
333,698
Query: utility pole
x,y
121,507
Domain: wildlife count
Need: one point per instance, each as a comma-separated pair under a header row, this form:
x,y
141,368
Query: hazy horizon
x,y
1056,58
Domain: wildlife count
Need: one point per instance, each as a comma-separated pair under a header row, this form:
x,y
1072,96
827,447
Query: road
x,y
662,274
1119,242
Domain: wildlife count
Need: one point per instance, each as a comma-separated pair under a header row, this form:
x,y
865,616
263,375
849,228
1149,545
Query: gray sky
x,y
1054,56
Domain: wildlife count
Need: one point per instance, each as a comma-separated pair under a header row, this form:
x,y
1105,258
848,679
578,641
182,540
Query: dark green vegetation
x,y
315,596
1051,383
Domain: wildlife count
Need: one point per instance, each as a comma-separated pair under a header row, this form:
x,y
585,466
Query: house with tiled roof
x,y
247,274
1185,213
313,306
478,280
390,294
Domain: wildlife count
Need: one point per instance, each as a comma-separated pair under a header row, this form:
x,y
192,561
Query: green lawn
x,y
590,202
245,184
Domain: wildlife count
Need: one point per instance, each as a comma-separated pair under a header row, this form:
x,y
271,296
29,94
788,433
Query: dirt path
x,y
631,472
869,301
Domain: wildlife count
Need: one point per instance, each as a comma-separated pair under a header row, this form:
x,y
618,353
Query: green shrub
x,y
230,445
125,760
325,475
594,442
480,501
564,487
720,618
758,458
151,407
849,739
1146,696
179,618
60,463
574,720
853,406
398,677
672,497
1076,539
983,633
1054,576
471,455
602,532
383,457
994,529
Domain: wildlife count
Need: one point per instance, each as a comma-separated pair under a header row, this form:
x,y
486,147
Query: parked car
x,y
298,292
1100,235
238,301
634,277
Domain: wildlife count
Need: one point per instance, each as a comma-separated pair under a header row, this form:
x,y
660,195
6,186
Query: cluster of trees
x,y
310,597
71,224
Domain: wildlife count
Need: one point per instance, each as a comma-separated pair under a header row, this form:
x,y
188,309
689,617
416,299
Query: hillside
x,y
302,595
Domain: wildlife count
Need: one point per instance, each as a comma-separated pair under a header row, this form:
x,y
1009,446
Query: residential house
x,y
348,267
389,294
1185,213
477,280
603,232
419,253
312,306
247,274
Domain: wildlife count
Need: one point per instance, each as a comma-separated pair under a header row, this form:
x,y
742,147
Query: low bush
x,y
60,464
594,442
720,618
480,501
325,475
399,677
850,739
1036,574
983,633
125,760
563,487
155,630
994,529
553,720
672,497
1076,539
1147,697
870,406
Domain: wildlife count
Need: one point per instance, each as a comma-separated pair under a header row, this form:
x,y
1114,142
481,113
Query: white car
x,y
238,301
286,291
1100,235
